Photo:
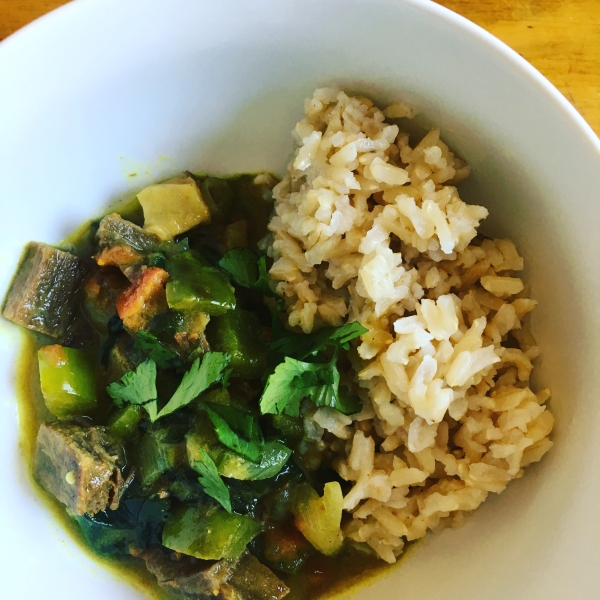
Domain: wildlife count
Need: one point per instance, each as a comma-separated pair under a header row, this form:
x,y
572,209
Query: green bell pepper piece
x,y
123,424
209,533
197,287
229,463
238,334
155,455
68,381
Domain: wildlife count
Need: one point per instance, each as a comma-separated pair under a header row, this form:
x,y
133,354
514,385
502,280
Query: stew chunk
x,y
80,466
41,294
243,578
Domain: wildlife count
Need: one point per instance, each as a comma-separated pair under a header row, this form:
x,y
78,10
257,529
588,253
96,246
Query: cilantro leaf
x,y
135,387
211,480
199,378
164,357
293,380
299,346
241,265
248,270
225,379
263,284
237,430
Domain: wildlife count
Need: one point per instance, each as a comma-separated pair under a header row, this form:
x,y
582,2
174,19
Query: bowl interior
x,y
104,97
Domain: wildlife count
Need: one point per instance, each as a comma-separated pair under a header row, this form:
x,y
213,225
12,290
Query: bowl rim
x,y
72,9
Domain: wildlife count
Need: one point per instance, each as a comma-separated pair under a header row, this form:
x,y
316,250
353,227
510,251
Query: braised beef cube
x,y
116,231
186,578
253,581
122,357
80,466
42,294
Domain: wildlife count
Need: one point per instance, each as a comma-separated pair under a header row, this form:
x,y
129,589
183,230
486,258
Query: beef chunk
x,y
187,578
41,296
253,581
80,466
116,231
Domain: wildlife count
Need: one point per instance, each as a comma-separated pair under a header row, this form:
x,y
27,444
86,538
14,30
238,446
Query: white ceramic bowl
x,y
101,89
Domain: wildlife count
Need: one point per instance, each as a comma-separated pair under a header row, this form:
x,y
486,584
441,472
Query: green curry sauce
x,y
321,576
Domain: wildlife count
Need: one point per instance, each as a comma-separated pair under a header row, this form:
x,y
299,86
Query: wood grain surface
x,y
561,38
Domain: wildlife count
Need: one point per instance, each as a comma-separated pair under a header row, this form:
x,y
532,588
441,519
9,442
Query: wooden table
x,y
561,38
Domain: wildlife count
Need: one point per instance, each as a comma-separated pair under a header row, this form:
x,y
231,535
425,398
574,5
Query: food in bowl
x,y
260,388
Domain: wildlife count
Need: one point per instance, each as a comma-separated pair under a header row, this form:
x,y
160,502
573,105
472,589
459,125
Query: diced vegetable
x,y
118,256
143,299
41,295
230,463
319,519
156,455
238,333
196,287
218,195
173,207
100,294
209,532
123,424
115,231
279,503
236,235
243,578
291,427
286,549
79,466
253,581
67,381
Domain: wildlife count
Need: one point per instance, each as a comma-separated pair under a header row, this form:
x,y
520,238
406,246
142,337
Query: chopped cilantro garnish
x,y
135,387
164,357
139,386
248,270
293,380
299,346
211,480
237,430
199,378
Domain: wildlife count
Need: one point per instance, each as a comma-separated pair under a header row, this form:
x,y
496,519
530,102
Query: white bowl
x,y
101,89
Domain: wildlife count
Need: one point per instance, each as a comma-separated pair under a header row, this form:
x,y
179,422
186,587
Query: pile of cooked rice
x,y
369,228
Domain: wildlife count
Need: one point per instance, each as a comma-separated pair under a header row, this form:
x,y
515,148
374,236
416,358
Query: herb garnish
x,y
211,480
139,386
237,430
